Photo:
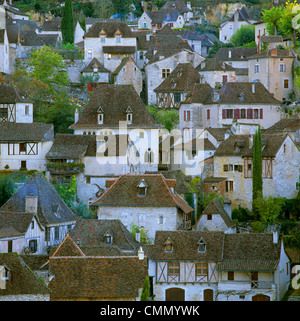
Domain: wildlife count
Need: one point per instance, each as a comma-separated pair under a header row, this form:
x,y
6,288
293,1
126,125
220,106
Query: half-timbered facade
x,y
214,266
280,167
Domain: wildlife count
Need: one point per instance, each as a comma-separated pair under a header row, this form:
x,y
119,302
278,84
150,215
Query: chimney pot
x,y
141,253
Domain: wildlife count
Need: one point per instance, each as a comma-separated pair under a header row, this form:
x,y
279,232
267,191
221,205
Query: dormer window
x,y
202,245
95,69
129,115
118,38
102,38
168,245
108,237
100,115
142,186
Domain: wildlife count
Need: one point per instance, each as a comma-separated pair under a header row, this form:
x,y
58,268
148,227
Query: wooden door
x,y
174,294
260,297
208,295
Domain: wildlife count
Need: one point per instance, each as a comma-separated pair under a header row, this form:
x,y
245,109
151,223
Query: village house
x,y
13,12
148,201
274,69
280,167
174,89
128,73
24,144
229,27
54,217
214,266
109,42
4,44
18,282
21,233
118,110
113,277
249,103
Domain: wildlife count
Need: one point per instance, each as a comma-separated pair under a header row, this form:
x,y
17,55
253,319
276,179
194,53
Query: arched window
x,y
149,156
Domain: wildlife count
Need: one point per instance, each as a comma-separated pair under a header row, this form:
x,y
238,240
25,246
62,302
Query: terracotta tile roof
x,y
181,79
185,246
110,29
48,199
215,207
23,281
26,132
97,277
114,101
250,252
124,192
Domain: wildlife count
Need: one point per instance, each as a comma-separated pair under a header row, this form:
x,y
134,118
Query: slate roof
x,y
178,5
181,79
90,237
114,101
97,277
26,132
110,29
215,207
237,53
119,49
19,222
10,95
274,53
163,16
249,252
185,246
270,144
284,126
23,280
27,38
95,62
217,133
231,92
243,15
48,200
124,192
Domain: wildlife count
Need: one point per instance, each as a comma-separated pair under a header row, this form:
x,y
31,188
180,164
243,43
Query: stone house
x,y
229,27
181,7
24,144
21,232
147,201
216,217
13,12
118,110
39,197
214,266
128,73
216,73
163,63
109,42
174,89
105,277
280,167
274,69
4,51
248,103
18,282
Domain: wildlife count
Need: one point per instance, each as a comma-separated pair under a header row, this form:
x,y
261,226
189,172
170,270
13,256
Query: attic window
x,y
129,115
108,237
142,186
241,97
201,245
168,245
100,115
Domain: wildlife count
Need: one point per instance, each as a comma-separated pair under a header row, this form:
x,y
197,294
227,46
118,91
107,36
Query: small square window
x,y
209,217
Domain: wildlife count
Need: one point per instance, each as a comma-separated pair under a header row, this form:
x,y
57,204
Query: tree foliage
x,y
243,36
169,118
7,188
67,23
272,17
145,294
269,208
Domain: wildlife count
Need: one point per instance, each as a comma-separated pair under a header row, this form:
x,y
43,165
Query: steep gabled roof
x,y
200,94
284,126
237,53
110,29
215,207
10,94
114,100
124,192
181,79
48,200
95,62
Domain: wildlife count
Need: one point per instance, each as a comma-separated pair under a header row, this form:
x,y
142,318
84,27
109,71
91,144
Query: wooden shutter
x,y
237,113
188,115
184,115
261,113
224,113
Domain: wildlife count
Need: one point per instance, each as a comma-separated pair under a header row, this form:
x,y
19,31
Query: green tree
x,y
145,294
67,23
68,192
257,183
169,118
269,208
216,47
47,66
272,17
243,36
104,8
7,188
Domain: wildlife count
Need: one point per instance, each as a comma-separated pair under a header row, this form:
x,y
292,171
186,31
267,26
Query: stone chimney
x,y
229,53
141,253
138,236
236,16
275,236
227,207
274,52
31,204
76,115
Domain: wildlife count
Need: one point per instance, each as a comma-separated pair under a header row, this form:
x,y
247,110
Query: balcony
x,y
244,285
67,169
